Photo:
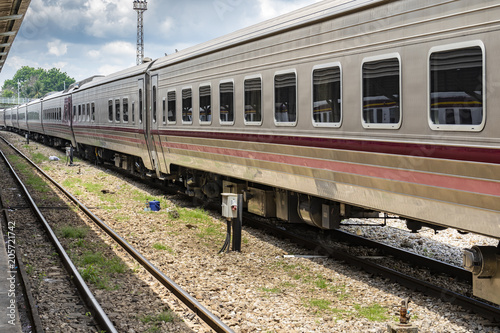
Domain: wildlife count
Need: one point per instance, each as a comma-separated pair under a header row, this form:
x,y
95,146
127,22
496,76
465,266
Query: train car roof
x,y
128,72
305,16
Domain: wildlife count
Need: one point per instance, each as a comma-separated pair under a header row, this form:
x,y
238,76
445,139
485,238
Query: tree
x,y
35,83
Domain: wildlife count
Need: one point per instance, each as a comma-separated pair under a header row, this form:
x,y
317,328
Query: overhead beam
x,y
11,17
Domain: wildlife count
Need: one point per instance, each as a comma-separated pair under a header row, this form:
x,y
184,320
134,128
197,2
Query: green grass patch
x,y
38,158
156,320
271,290
161,247
373,312
73,232
98,270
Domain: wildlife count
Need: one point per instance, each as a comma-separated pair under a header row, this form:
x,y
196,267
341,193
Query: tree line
x,y
35,83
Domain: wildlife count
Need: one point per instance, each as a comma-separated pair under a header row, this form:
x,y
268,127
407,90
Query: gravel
x,y
258,290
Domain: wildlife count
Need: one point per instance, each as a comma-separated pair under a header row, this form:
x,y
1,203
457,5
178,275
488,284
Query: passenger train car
x,y
340,109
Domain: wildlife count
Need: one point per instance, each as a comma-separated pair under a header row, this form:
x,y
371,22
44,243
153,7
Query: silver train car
x,y
2,118
341,109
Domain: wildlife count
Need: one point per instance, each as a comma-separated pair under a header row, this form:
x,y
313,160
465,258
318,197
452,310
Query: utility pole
x,y
140,6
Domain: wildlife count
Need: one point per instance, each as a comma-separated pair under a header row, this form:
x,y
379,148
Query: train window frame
x,y
392,126
227,122
117,108
79,119
186,122
457,127
286,123
133,112
125,114
88,112
245,79
164,111
205,122
172,122
110,110
331,65
92,114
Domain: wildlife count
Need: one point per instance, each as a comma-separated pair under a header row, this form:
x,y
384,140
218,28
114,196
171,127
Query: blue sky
x,y
89,37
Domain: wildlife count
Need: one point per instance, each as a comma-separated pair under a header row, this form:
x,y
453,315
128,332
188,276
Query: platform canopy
x,y
11,16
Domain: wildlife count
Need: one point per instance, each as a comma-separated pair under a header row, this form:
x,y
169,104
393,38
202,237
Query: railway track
x,y
55,285
488,311
211,320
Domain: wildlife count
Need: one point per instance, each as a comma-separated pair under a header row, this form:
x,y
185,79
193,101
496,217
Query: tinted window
x,y
125,110
253,100
326,95
381,100
187,105
226,101
456,87
205,104
110,110
171,105
285,100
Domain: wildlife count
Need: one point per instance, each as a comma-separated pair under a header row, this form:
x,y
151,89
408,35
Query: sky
x,y
90,37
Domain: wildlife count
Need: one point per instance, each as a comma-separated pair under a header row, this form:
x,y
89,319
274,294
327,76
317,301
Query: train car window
x,y
74,113
253,101
381,92
110,110
117,110
88,112
140,106
187,106
456,81
93,111
133,112
171,104
154,104
125,110
327,96
285,98
205,104
164,111
79,112
226,100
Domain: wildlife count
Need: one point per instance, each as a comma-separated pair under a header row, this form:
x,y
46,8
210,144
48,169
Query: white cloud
x,y
57,48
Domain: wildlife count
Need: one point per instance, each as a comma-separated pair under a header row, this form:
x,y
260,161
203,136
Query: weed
x,y
271,290
373,312
166,316
73,232
158,246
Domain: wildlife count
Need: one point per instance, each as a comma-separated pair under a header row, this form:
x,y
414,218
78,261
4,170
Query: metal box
x,y
286,206
229,205
262,202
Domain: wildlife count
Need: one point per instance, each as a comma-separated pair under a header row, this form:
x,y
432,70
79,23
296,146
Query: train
x,y
345,108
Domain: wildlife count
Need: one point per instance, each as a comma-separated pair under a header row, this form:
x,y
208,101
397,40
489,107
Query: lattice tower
x,y
140,6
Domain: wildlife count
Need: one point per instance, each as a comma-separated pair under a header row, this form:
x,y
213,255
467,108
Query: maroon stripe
x,y
459,153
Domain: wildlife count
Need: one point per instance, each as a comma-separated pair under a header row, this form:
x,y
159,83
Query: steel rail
x,y
434,265
210,319
487,311
89,299
31,308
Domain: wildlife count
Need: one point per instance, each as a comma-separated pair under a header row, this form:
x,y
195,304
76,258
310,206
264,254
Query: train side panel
x,y
408,160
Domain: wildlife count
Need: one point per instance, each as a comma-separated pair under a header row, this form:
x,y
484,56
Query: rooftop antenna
x,y
140,6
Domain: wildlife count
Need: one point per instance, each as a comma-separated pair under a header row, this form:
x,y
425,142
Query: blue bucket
x,y
154,205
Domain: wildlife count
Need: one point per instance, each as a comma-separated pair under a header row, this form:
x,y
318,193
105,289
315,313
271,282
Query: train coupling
x,y
483,263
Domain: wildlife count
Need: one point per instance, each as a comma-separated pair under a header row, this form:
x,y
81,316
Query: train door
x,y
144,123
67,119
156,121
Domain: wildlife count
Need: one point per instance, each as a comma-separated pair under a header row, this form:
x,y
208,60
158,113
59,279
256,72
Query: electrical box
x,y
229,205
262,202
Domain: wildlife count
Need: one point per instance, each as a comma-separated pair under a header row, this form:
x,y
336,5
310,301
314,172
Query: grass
x,y
166,316
73,232
161,247
98,270
373,312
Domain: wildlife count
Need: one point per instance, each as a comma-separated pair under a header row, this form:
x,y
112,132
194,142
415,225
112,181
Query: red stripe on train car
x,y
460,153
415,177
